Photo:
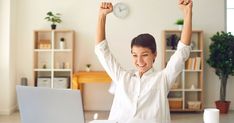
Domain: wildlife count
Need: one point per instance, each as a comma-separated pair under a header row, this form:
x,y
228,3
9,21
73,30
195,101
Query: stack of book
x,y
193,63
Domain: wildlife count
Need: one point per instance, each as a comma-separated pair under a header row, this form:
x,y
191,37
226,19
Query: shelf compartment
x,y
194,105
61,82
193,80
67,35
43,77
175,94
197,36
42,60
62,79
42,39
63,60
192,96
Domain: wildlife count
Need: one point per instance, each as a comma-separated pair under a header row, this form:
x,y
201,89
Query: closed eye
x,y
134,55
145,55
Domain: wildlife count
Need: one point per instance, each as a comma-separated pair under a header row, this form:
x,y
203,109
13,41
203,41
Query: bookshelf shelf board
x,y
192,70
42,69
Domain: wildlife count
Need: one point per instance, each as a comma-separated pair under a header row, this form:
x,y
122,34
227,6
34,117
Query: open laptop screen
x,y
46,105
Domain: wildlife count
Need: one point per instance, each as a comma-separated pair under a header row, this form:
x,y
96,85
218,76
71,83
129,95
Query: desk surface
x,y
93,76
90,77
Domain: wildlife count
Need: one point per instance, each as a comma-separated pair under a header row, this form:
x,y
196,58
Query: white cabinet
x,y
53,56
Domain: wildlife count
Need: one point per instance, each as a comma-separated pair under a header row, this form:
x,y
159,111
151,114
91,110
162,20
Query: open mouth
x,y
141,66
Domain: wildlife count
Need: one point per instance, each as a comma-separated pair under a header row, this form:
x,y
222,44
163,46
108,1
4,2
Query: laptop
x,y
46,105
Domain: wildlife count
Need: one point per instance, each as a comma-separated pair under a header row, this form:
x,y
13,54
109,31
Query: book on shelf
x,y
193,63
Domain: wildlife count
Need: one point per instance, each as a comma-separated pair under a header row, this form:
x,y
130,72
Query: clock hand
x,y
120,9
123,9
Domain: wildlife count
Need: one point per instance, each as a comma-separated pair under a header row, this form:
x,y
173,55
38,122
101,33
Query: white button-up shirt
x,y
145,97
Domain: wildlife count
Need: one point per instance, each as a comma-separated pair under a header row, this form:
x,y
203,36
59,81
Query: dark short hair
x,y
145,40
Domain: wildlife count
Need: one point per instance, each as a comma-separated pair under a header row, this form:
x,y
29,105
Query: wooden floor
x,y
176,117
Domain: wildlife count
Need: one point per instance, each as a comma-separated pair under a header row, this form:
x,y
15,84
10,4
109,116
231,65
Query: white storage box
x,y
61,82
43,82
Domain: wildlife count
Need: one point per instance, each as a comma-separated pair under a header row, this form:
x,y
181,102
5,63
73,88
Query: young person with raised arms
x,y
143,94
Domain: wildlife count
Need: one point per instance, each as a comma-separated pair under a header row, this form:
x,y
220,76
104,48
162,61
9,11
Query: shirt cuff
x,y
101,46
183,50
182,45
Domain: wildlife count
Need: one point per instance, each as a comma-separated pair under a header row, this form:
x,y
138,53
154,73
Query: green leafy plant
x,y
221,58
179,22
54,18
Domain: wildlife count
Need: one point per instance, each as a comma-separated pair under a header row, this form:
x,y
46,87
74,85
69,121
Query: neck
x,y
141,73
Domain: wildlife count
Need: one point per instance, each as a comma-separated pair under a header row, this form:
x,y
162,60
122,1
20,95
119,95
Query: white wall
x,y
4,56
150,16
7,59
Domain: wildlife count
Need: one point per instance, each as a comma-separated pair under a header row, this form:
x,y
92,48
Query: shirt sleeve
x,y
176,63
108,61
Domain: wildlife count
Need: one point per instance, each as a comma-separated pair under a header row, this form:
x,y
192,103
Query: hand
x,y
105,8
186,6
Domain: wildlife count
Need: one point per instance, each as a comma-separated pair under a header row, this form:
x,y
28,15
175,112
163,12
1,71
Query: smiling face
x,y
143,58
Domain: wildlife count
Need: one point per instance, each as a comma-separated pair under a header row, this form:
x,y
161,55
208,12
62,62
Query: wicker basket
x,y
175,103
195,105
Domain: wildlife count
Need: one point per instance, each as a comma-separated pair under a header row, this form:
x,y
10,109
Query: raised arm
x,y
105,8
186,7
176,63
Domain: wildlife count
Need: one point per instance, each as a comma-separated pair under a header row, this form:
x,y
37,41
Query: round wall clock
x,y
121,10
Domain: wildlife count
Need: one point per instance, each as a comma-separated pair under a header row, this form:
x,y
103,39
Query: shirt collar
x,y
151,70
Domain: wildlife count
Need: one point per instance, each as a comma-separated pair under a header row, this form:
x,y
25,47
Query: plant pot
x,y
223,106
53,26
180,27
88,69
61,44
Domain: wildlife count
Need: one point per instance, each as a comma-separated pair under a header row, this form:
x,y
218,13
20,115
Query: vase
x,y
24,81
61,45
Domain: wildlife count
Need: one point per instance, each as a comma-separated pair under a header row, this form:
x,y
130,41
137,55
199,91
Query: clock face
x,y
121,10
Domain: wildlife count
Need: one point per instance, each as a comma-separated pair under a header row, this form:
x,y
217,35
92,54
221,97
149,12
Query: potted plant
x,y
179,23
53,18
88,66
221,58
62,43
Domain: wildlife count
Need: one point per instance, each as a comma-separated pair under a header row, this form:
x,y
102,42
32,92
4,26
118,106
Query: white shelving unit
x,y
53,65
189,84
